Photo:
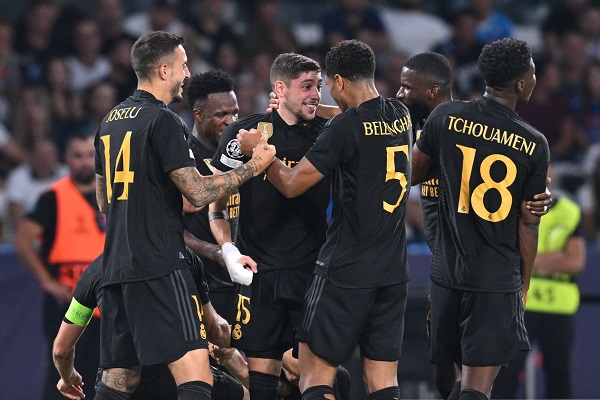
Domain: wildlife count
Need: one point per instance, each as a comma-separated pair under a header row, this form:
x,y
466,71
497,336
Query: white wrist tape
x,y
237,272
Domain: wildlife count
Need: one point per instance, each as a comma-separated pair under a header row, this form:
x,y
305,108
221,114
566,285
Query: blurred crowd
x,y
65,64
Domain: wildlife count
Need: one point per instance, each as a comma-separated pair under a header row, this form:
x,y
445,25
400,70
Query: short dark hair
x,y
150,49
504,61
288,66
351,59
201,85
435,67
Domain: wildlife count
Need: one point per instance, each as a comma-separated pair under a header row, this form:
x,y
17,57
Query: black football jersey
x,y
429,199
490,160
138,143
278,233
368,150
197,223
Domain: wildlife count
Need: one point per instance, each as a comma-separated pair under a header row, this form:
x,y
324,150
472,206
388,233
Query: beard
x,y
85,177
176,96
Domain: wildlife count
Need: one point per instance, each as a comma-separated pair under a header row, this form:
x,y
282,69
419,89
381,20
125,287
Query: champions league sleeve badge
x,y
233,152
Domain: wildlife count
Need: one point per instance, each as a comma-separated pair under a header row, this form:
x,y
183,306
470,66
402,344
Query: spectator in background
x,y
212,27
110,15
162,16
410,29
572,60
265,33
491,24
98,101
65,104
86,64
26,182
121,72
355,19
32,118
549,110
462,50
10,74
563,17
69,227
35,41
589,26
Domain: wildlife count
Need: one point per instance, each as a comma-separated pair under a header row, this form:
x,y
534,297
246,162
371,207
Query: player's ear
x,y
433,92
339,82
279,89
163,71
519,86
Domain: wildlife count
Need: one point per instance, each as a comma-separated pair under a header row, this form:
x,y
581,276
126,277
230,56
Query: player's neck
x,y
361,93
159,93
506,99
288,116
200,135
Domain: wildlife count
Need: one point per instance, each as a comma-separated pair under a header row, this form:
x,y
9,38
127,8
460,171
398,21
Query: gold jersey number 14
x,y
124,175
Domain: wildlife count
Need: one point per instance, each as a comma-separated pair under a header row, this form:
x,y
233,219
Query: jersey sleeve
x,y
536,180
334,145
86,290
428,139
228,154
168,136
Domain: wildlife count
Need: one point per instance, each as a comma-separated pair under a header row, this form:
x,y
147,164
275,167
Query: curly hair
x,y
351,59
201,85
288,66
435,67
504,61
150,49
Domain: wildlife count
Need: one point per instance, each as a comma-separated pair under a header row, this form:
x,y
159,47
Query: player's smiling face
x,y
179,73
302,96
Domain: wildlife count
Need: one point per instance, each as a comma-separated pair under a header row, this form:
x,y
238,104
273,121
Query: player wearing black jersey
x,y
491,162
156,383
214,106
358,292
143,166
426,82
282,235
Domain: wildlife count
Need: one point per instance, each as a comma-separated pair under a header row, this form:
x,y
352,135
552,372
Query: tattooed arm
x,y
202,190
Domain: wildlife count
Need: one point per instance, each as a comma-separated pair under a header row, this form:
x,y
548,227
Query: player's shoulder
x,y
249,121
454,107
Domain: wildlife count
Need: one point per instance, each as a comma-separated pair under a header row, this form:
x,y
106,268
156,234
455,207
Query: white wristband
x,y
237,272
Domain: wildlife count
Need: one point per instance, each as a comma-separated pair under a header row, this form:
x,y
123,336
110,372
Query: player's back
x,y
490,161
137,144
366,243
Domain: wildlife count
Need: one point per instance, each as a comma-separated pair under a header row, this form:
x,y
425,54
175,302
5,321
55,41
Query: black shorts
x,y
151,322
338,319
224,302
268,311
476,328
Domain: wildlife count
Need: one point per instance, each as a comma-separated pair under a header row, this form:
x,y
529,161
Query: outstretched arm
x,y
292,182
202,190
63,356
